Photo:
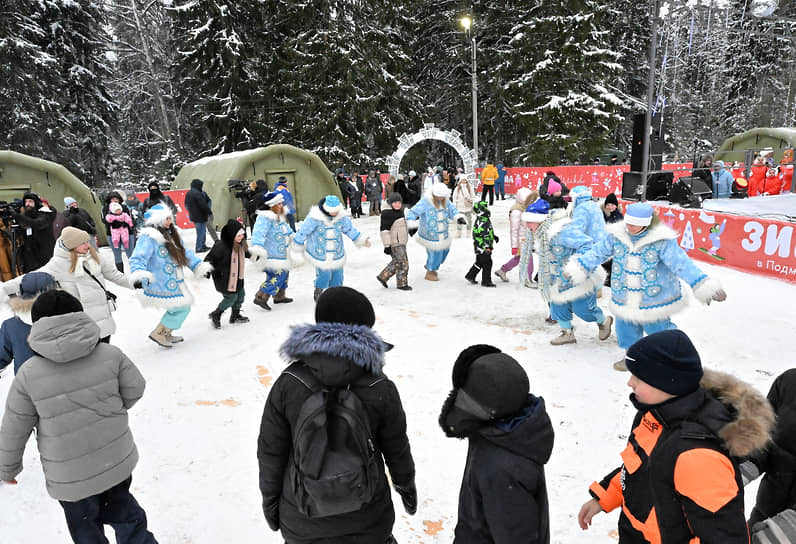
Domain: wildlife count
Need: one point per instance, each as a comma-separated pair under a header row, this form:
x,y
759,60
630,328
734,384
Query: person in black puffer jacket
x,y
228,260
340,349
503,497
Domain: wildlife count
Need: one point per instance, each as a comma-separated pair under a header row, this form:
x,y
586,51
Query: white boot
x,y
160,336
567,336
502,275
605,328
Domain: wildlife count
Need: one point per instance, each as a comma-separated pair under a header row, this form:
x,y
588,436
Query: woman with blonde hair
x,y
79,270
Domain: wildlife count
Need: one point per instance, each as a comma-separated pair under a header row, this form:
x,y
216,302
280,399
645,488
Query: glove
x,y
408,497
720,296
497,239
514,250
780,529
412,231
461,221
749,472
388,250
139,284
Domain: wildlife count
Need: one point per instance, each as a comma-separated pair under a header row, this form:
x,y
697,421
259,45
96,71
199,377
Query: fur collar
x,y
356,343
153,233
558,220
318,215
654,234
272,216
754,418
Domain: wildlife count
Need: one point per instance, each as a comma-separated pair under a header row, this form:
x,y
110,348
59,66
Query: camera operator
x,y
35,231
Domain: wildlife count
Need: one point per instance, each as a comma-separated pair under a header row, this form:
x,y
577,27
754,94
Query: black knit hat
x,y
497,382
394,197
666,360
344,305
611,199
56,302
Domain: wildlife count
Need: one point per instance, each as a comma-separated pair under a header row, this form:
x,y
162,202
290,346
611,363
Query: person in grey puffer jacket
x,y
76,392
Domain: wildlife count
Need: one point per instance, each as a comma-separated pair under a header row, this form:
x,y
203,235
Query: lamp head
x,y
466,22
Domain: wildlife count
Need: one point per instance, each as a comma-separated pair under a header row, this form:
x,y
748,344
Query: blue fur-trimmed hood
x,y
331,349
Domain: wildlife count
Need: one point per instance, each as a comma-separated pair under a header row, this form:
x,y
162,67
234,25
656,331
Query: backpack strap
x,y
307,377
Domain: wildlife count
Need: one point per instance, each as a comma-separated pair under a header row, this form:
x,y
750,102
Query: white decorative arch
x,y
430,132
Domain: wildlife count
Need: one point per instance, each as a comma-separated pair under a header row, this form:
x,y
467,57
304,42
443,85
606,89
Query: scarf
x,y
236,263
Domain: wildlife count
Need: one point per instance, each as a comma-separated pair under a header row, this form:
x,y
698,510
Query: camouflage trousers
x,y
398,267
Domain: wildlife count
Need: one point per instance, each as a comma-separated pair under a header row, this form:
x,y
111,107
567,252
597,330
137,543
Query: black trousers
x,y
115,507
483,264
488,189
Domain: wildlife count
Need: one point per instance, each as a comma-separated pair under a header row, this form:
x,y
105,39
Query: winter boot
x,y
174,339
404,288
237,317
215,317
549,319
598,292
605,328
620,365
530,284
501,274
567,336
280,298
261,300
382,281
120,267
317,293
488,283
159,336
471,274
431,275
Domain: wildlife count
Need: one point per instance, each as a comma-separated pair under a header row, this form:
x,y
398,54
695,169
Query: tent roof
x,y
238,164
787,134
38,164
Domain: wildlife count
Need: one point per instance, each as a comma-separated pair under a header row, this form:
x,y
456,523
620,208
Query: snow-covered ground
x,y
196,427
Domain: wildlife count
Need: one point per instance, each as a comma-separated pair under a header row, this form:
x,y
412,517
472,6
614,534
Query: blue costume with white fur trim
x,y
271,238
586,213
645,276
434,227
321,236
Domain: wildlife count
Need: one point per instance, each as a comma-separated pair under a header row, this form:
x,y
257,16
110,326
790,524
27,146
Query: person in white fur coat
x,y
157,269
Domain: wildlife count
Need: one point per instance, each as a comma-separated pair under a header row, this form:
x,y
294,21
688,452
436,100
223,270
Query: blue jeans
x,y
435,257
500,188
201,233
175,317
585,308
115,507
628,333
117,251
274,281
328,278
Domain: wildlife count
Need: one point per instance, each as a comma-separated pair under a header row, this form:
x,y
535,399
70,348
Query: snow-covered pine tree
x,y
212,72
562,95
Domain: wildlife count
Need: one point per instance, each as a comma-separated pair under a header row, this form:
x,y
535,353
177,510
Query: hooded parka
x,y
338,354
75,393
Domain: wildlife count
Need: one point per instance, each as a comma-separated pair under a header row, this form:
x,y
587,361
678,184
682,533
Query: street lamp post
x,y
467,24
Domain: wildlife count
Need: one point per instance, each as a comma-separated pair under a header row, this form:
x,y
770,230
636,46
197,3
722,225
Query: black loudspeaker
x,y
689,192
637,147
656,143
659,185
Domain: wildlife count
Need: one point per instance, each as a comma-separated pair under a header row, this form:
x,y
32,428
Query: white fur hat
x,y
440,189
522,194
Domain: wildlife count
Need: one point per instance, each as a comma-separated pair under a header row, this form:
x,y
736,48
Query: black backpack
x,y
335,468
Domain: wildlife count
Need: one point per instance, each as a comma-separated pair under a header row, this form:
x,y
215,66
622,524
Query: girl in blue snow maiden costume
x,y
645,277
434,214
157,268
271,238
320,237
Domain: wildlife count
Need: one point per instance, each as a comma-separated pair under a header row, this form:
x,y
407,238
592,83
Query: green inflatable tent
x,y
735,148
22,173
308,179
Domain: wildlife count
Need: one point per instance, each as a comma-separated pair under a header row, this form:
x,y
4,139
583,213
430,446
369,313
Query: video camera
x,y
8,211
240,187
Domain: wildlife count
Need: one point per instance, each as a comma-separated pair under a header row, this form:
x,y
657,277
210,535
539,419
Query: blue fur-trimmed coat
x,y
163,279
433,223
587,216
321,236
646,273
338,354
555,244
271,238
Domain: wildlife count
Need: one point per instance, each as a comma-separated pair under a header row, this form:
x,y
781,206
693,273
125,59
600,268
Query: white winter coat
x,y
80,285
463,197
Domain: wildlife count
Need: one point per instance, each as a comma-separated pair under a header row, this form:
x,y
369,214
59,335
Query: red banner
x,y
750,244
178,197
602,179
